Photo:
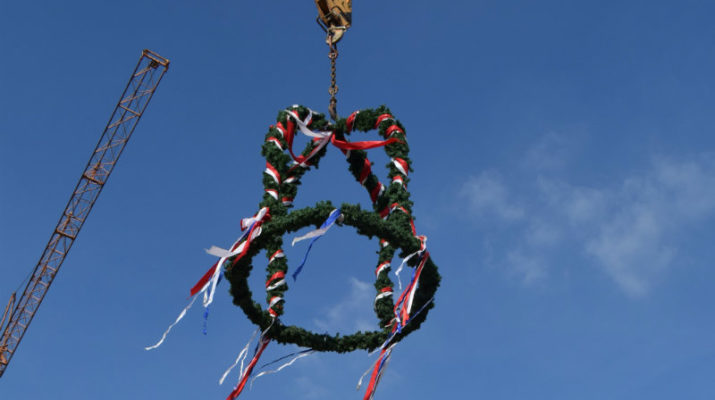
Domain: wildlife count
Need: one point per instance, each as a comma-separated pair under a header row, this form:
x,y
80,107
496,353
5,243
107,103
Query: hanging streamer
x,y
378,368
179,318
316,234
404,303
423,247
208,282
263,343
241,357
296,356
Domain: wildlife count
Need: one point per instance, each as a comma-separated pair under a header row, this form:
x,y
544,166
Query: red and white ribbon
x,y
278,254
377,191
392,129
401,165
274,300
249,369
240,359
423,246
380,268
278,278
273,193
275,281
384,292
323,137
365,171
378,368
276,142
273,173
381,118
350,122
403,306
262,214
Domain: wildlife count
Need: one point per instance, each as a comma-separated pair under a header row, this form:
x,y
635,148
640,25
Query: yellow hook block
x,y
335,17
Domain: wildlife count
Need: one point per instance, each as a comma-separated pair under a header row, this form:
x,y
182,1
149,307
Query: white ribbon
x,y
423,247
381,267
275,285
181,315
288,364
274,300
316,232
277,254
247,222
324,136
389,349
380,296
399,167
240,359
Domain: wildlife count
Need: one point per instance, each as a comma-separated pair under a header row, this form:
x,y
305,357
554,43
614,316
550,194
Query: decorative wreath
x,y
390,220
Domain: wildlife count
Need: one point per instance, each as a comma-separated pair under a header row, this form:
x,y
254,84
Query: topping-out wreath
x,y
390,221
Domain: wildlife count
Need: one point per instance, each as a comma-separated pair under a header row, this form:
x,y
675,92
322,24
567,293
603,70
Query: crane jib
x,y
134,99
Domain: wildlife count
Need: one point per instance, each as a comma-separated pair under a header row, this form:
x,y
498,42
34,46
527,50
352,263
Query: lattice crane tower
x,y
132,103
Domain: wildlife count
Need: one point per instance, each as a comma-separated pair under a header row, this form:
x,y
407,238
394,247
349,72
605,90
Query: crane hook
x,y
335,17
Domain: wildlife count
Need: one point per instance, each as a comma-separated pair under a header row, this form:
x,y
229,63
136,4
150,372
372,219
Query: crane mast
x,y
132,103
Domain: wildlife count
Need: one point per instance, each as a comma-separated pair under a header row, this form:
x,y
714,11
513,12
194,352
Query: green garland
x,y
395,231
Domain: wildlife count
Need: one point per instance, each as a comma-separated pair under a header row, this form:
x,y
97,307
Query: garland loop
x,y
390,220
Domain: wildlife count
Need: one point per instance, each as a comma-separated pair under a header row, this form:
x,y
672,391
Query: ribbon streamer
x,y
241,357
323,137
394,330
423,246
316,234
378,367
296,357
179,318
402,315
208,282
263,342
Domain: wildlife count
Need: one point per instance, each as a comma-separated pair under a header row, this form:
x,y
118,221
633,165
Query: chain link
x,y
333,55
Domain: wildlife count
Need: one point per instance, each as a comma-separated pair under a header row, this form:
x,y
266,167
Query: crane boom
x,y
132,103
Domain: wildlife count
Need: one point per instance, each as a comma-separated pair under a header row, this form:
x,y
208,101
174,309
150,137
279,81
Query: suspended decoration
x,y
400,309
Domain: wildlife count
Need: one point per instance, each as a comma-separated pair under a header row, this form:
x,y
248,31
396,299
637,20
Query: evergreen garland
x,y
395,231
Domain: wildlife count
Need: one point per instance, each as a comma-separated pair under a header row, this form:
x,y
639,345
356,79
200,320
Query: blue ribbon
x,y
206,310
328,222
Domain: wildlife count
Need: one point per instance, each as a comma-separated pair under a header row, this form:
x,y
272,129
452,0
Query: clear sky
x,y
564,174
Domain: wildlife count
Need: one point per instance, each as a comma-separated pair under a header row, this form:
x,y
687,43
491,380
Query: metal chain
x,y
333,55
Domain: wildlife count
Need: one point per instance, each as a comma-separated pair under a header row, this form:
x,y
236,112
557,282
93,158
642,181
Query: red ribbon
x,y
276,276
204,280
365,172
381,118
375,192
404,312
368,144
249,369
392,129
351,121
249,238
369,392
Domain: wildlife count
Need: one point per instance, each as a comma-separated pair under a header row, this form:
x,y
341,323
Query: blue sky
x,y
564,174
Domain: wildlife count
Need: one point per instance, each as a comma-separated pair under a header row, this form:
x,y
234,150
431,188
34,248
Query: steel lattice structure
x,y
133,101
